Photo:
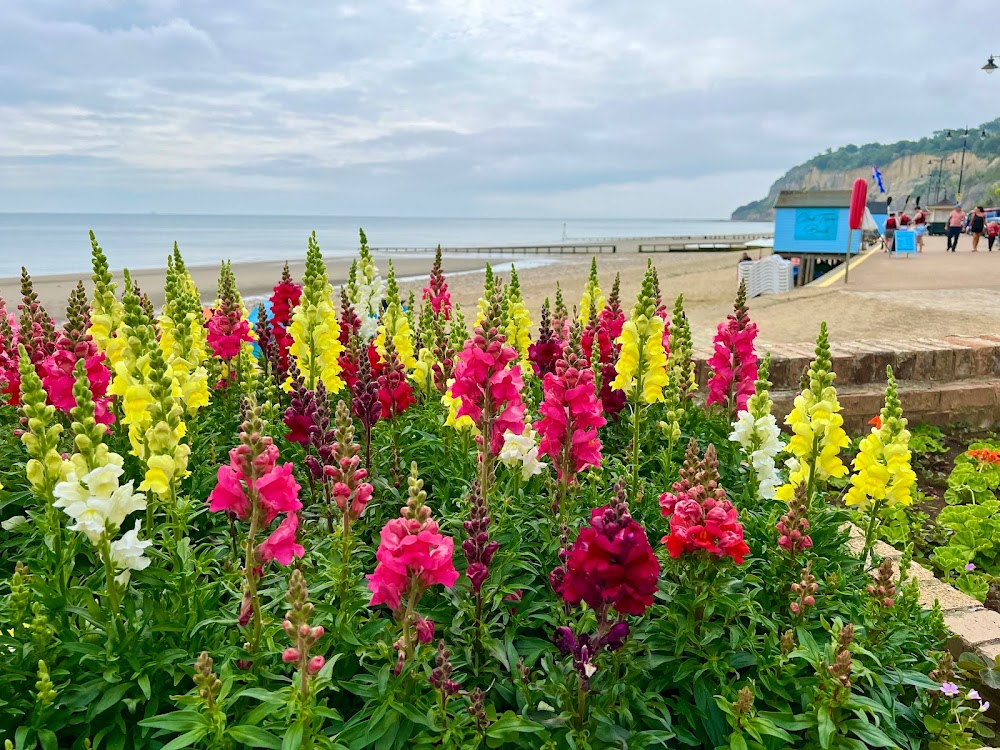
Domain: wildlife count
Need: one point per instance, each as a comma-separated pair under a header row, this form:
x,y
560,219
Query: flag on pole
x,y
877,176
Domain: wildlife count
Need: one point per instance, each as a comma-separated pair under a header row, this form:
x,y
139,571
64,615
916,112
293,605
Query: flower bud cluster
x,y
805,591
794,525
478,548
883,588
302,635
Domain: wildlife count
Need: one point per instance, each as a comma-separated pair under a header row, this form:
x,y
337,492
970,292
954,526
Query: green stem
x,y
637,426
248,567
870,531
411,602
345,554
104,550
811,484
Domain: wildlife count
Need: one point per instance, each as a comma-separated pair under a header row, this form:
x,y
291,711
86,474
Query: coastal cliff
x,y
928,168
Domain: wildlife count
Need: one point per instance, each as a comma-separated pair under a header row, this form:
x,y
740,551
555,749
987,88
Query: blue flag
x,y
877,176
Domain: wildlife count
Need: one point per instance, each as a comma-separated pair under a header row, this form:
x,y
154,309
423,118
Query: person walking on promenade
x,y
920,227
888,236
956,222
977,223
992,232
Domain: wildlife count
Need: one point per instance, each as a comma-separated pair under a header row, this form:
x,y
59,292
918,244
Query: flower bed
x,y
364,522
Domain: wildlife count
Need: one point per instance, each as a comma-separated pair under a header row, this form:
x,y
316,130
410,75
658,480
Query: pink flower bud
x,y
315,664
290,655
809,601
317,632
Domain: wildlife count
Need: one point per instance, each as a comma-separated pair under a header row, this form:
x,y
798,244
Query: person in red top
x,y
920,227
992,232
889,235
904,220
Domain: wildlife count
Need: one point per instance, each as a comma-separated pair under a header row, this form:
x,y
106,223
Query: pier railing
x,y
692,244
507,249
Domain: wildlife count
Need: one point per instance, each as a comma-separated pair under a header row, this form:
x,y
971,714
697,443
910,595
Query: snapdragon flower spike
x,y
546,349
592,297
284,298
757,433
227,328
73,345
321,437
299,631
436,292
679,350
734,362
817,426
702,519
365,404
517,320
642,362
610,321
350,491
412,554
395,393
314,329
794,525
883,588
37,329
882,470
440,678
805,592
488,382
253,486
10,377
570,414
478,549
611,562
560,316
300,416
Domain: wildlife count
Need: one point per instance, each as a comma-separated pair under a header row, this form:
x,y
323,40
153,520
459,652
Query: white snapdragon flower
x,y
522,449
759,436
97,500
128,554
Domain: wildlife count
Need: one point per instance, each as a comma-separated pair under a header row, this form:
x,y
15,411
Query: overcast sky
x,y
561,108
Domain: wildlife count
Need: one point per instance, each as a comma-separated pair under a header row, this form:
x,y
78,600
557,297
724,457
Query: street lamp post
x,y
938,181
965,145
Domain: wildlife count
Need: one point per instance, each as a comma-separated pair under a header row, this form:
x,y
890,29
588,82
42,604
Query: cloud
x,y
454,106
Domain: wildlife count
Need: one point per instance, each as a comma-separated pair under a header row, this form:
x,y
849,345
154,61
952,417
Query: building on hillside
x,y
810,228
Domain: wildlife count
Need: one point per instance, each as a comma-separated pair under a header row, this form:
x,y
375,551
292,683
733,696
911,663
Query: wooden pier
x,y
598,246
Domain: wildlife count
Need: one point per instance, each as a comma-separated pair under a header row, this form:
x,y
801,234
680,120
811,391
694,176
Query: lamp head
x,y
990,65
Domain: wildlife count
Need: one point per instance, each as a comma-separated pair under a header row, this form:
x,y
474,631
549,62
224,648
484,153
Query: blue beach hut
x,y
812,225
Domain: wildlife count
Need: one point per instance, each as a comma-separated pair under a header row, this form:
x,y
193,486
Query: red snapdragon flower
x,y
701,517
281,545
611,563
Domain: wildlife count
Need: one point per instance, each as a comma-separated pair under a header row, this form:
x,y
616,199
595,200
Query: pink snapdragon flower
x,y
226,333
734,362
487,383
571,414
254,484
436,292
281,545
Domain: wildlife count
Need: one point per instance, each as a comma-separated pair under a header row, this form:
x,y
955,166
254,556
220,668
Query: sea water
x,y
59,243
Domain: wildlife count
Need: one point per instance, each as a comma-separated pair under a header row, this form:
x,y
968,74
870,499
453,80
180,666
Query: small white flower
x,y
128,553
13,522
97,500
522,449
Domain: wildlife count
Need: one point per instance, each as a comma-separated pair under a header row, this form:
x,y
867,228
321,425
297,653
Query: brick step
x,y
975,402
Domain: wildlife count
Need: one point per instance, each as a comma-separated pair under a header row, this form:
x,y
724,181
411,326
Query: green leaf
x,y
47,738
871,735
178,721
254,736
112,696
293,738
826,727
186,740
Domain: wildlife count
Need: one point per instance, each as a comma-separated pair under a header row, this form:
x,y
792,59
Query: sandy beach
x,y
894,299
